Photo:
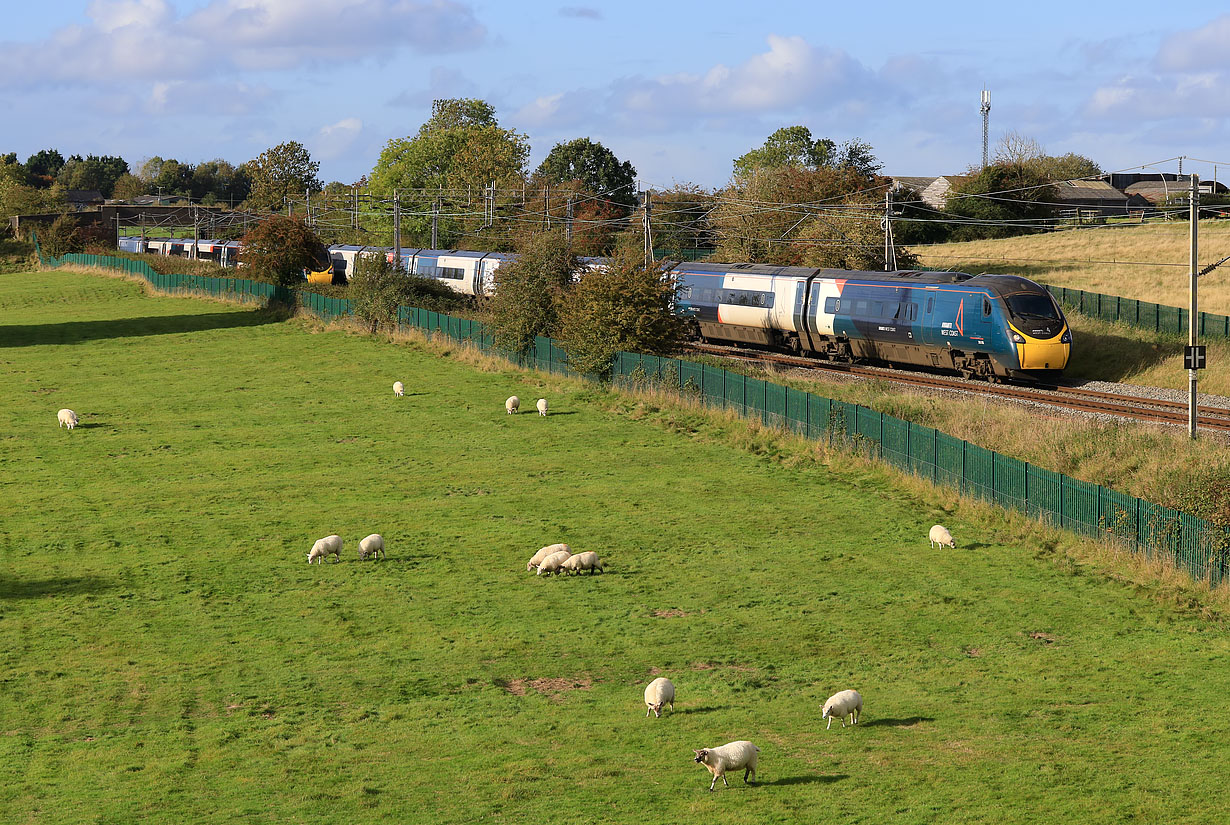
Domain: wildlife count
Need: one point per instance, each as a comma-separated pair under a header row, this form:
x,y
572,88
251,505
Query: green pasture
x,y
169,657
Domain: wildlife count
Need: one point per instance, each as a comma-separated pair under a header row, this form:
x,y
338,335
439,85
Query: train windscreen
x,y
1033,305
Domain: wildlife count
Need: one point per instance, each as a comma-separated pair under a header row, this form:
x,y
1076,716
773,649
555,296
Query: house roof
x,y
914,182
1088,190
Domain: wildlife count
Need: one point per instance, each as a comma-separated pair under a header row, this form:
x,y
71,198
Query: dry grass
x,y
1149,262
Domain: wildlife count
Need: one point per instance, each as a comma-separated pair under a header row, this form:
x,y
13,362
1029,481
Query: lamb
x,y
323,548
512,404
730,757
841,704
552,563
399,389
542,406
67,418
661,691
940,535
373,546
543,552
582,561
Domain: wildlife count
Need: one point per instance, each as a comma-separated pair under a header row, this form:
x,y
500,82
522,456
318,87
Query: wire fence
x,y
1192,544
1140,314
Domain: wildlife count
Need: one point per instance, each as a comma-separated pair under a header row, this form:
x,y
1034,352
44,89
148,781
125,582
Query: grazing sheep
x,y
512,404
543,552
399,389
542,406
552,563
846,702
328,546
730,757
373,546
940,535
67,418
661,691
582,561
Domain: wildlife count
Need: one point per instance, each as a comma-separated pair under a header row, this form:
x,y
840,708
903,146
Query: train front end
x,y
1037,329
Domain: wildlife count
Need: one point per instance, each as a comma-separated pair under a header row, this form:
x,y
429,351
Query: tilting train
x,y
986,326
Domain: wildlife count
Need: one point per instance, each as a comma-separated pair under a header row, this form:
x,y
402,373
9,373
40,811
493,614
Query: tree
x,y
681,220
129,187
285,170
627,306
44,165
279,249
788,146
1000,201
93,172
61,237
529,288
1016,150
592,165
460,150
374,291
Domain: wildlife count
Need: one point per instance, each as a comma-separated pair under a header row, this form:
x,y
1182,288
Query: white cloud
x,y
145,39
334,140
1196,49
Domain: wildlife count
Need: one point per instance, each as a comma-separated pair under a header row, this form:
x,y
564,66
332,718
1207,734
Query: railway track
x,y
1057,395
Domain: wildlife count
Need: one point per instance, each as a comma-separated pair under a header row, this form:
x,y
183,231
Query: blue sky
x,y
677,88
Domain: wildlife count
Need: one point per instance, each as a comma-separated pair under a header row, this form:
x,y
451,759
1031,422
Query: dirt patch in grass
x,y
973,652
670,614
1045,638
551,688
722,665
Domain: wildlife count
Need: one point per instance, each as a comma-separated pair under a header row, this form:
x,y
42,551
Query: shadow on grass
x,y
807,780
896,723
63,586
1107,356
76,332
703,709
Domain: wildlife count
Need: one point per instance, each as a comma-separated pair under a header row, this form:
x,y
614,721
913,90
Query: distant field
x,y
170,658
1105,259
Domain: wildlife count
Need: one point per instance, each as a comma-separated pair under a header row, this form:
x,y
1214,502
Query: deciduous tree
x,y
285,170
528,290
279,249
594,167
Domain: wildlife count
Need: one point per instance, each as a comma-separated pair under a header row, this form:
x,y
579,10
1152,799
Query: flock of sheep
x,y
558,559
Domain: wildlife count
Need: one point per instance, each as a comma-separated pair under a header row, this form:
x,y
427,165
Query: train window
x,y
860,308
685,292
930,303
913,312
454,273
830,306
1033,305
986,306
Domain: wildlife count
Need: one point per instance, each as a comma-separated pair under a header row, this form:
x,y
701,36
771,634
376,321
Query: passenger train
x,y
986,326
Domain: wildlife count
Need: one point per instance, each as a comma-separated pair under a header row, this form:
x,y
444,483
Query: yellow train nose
x,y
1049,354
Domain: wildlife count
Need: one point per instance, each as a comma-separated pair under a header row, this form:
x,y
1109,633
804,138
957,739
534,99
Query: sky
x,y
676,87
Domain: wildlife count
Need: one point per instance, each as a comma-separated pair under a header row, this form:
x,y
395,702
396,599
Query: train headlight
x,y
1067,337
1015,337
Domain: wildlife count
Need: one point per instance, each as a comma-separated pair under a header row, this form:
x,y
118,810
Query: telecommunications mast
x,y
986,123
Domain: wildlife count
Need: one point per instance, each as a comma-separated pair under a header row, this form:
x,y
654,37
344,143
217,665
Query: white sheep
x,y
542,406
512,404
842,704
399,389
328,546
661,691
729,757
543,552
940,535
373,546
582,561
552,563
67,418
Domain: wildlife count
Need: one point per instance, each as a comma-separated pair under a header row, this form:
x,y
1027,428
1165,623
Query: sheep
x,y
729,757
67,418
373,546
552,563
841,704
582,561
328,546
661,691
542,407
940,535
543,552
399,389
512,404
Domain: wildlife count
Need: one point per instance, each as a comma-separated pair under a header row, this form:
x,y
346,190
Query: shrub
x,y
627,306
374,291
278,250
528,289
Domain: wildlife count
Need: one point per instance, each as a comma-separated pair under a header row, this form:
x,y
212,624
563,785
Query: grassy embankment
x,y
169,656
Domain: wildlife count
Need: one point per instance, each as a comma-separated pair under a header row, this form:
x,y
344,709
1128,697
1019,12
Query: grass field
x,y
169,657
1149,263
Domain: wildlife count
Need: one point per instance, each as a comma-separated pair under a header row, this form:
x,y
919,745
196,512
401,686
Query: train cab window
x,y
986,306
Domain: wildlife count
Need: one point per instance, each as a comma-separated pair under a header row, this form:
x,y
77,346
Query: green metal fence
x,y
1140,314
1192,544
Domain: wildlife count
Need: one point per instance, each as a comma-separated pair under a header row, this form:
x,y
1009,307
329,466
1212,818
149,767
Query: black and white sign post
x,y
1193,316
